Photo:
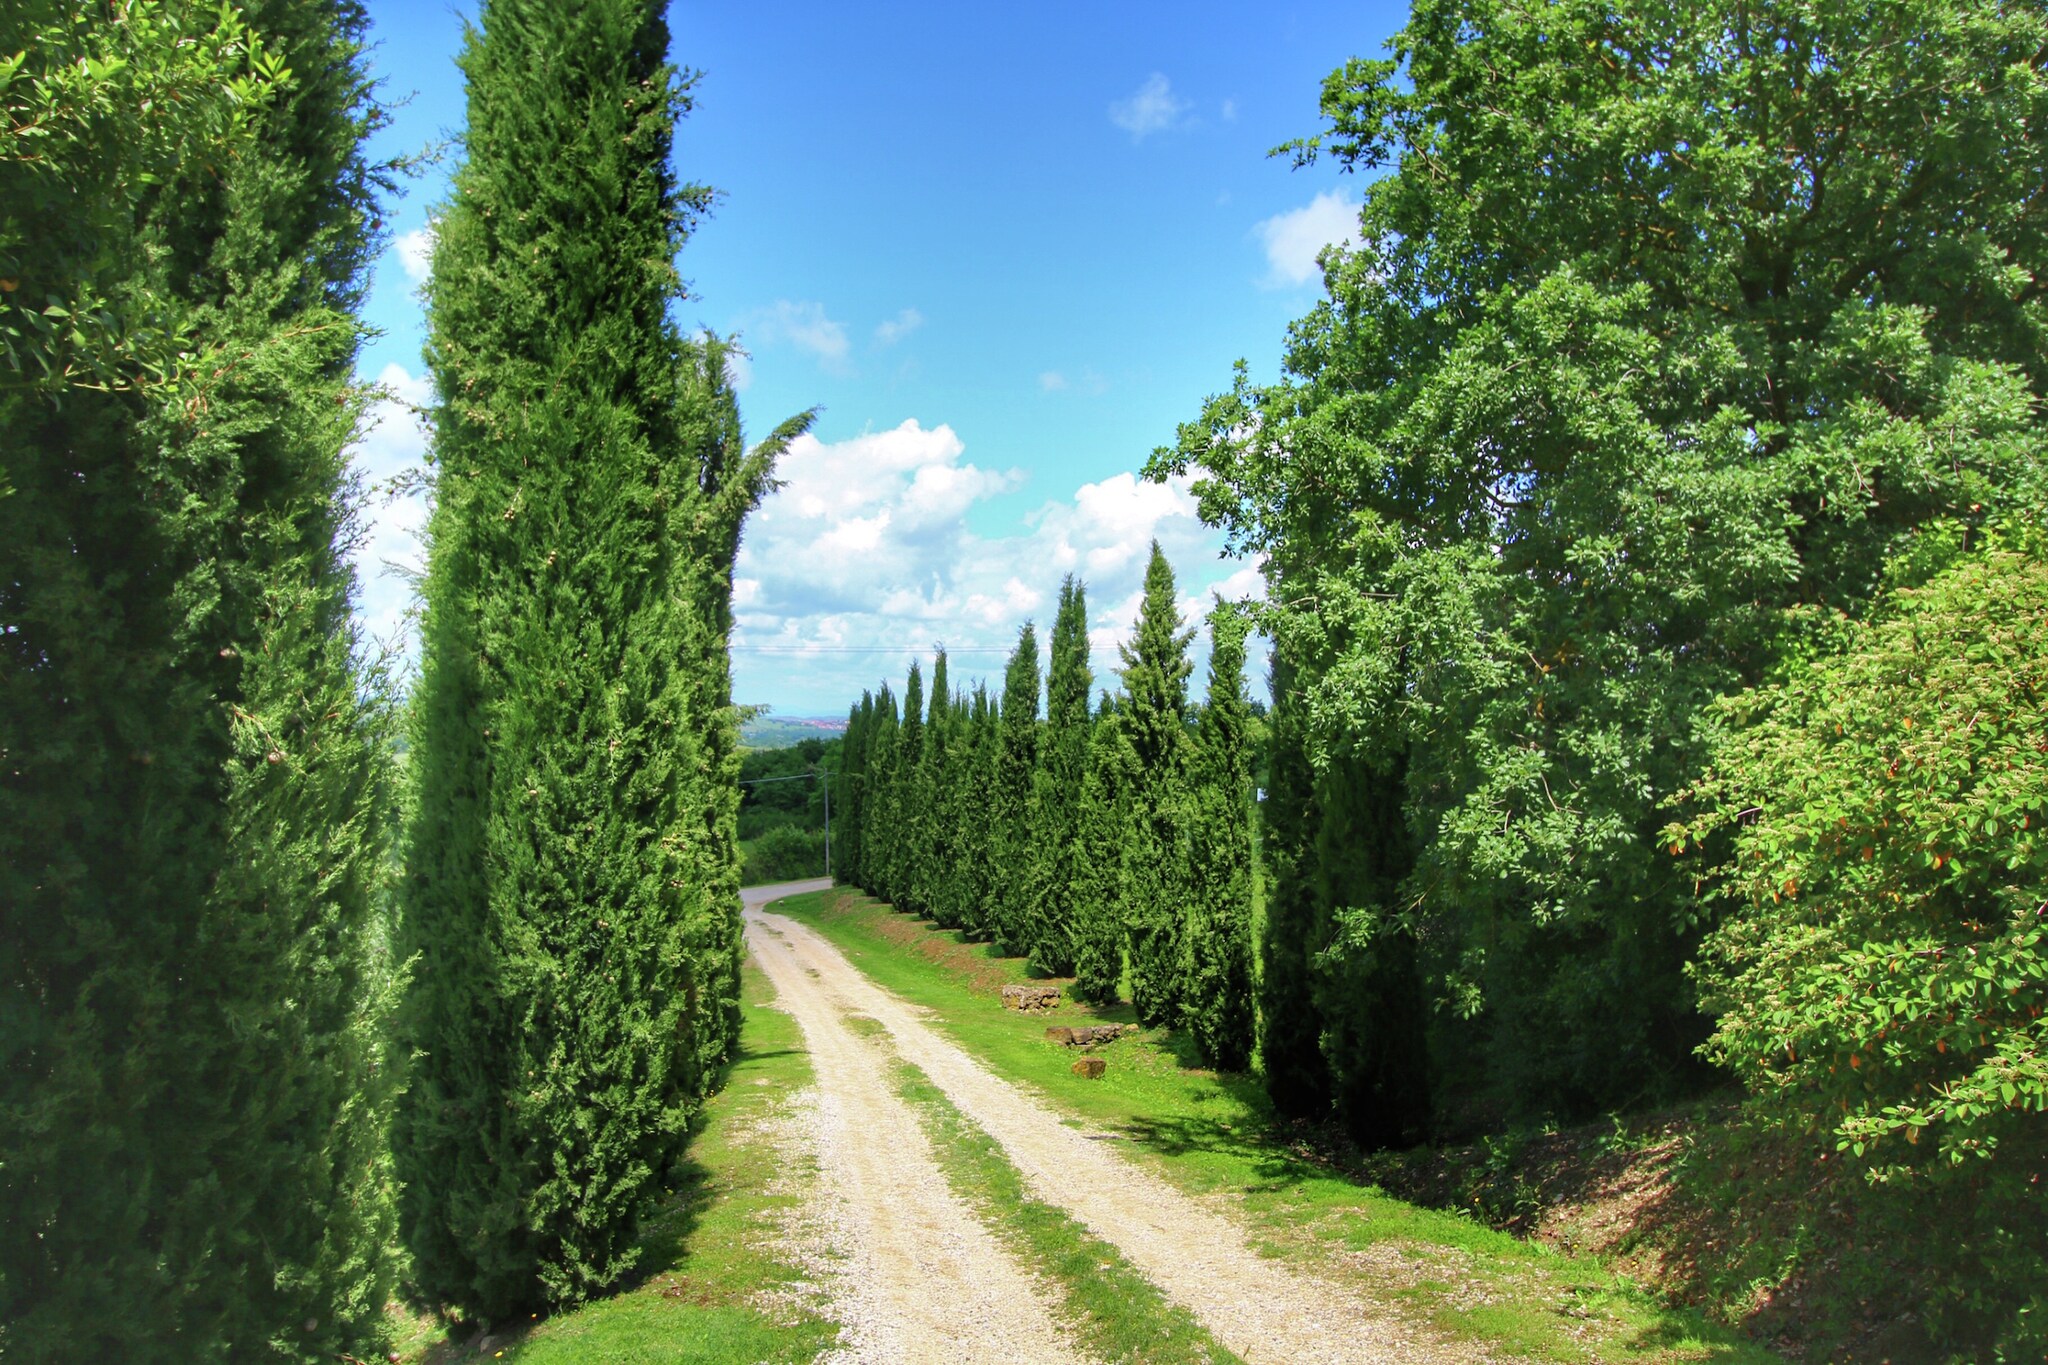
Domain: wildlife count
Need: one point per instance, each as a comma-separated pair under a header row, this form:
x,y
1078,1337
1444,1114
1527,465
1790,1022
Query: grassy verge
x,y
1211,1134
716,1289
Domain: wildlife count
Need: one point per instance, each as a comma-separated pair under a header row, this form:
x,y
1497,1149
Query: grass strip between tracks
x,y
1116,1314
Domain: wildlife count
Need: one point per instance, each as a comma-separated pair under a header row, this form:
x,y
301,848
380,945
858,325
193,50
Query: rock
x,y
1086,1035
1091,1067
1030,997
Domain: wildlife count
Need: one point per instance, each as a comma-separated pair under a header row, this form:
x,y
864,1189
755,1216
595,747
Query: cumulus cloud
x,y
864,559
898,327
1151,108
415,251
390,553
803,325
1293,239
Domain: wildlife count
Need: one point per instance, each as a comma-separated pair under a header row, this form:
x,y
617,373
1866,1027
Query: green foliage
x,y
1057,867
938,835
1099,889
1012,774
906,808
1667,330
194,979
850,791
879,816
96,119
1152,720
1290,1022
572,868
970,887
1881,973
1217,997
783,853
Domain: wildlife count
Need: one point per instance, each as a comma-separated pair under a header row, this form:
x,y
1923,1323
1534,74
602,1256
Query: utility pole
x,y
826,774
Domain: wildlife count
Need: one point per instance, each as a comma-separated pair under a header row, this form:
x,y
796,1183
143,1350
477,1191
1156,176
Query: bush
x,y
1881,979
783,854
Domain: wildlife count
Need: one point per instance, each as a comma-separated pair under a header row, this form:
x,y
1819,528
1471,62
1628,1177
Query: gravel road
x,y
908,1270
1195,1255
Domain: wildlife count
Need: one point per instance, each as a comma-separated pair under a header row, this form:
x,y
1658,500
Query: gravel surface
x,y
1195,1255
907,1270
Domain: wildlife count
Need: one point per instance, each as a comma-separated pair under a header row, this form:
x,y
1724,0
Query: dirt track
x,y
1193,1253
910,1272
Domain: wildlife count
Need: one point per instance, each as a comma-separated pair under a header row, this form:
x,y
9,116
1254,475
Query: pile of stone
x,y
1030,997
1086,1035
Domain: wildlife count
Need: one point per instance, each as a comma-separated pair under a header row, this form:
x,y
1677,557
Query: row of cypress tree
x,y
1115,847
284,1020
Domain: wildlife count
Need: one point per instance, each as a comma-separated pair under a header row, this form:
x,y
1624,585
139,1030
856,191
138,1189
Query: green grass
x,y
716,1290
1210,1133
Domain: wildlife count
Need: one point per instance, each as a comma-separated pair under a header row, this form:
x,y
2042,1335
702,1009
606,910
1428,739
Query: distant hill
x,y
780,732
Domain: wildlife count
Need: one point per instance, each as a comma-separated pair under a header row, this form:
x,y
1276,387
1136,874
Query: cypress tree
x,y
1101,829
879,829
1290,1020
850,784
1153,720
974,863
1218,994
935,828
194,1096
1062,771
570,866
1367,980
906,781
1009,801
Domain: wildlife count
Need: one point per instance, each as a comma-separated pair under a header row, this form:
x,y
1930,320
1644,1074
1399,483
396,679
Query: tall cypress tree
x,y
1217,999
1153,720
1367,980
906,782
193,1096
935,829
1062,770
1102,830
974,863
878,831
1290,1020
850,786
570,879
1010,803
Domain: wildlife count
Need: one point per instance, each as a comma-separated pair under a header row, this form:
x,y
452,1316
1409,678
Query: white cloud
x,y
392,447
1293,239
898,327
415,252
867,548
1052,381
1151,108
1230,111
804,326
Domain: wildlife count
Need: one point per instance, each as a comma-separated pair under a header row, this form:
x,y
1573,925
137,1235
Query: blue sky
x,y
1004,249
